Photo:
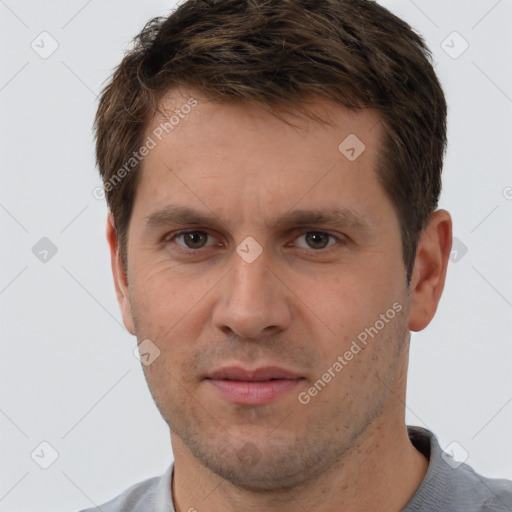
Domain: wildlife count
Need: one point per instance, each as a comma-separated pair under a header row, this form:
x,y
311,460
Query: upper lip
x,y
258,374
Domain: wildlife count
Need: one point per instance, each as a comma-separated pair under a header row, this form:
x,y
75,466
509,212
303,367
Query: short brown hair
x,y
277,53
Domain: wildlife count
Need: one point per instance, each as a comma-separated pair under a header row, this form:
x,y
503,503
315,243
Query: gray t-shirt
x,y
447,487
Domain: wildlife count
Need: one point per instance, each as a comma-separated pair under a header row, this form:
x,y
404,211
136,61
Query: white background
x,y
68,375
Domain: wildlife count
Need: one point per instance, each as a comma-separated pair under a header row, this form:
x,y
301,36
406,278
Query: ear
x,y
120,275
429,272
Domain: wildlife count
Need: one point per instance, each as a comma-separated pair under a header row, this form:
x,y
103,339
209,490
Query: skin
x,y
295,306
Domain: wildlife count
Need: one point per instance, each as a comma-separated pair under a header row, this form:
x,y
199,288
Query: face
x,y
265,264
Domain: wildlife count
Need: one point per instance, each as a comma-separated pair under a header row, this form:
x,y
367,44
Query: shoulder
x,y
140,497
453,486
484,494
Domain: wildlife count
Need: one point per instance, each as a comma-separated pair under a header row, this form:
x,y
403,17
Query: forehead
x,y
227,157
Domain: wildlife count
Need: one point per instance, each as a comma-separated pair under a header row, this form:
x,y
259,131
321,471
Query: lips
x,y
252,387
256,375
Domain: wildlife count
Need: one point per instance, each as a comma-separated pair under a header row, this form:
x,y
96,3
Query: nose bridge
x,y
251,299
250,281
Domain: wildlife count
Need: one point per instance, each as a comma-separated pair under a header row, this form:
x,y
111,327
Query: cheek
x,y
167,301
345,304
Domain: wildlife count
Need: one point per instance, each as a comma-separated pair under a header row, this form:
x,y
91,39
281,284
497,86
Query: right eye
x,y
192,240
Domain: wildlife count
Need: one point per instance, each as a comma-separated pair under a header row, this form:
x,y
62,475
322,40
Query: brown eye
x,y
315,240
192,239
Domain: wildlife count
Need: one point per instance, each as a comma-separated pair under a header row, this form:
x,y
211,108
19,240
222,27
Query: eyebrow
x,y
335,217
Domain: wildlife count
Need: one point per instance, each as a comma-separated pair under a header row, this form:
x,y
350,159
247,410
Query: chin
x,y
263,477
262,466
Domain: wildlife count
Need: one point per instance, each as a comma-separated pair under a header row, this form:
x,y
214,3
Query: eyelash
x,y
339,240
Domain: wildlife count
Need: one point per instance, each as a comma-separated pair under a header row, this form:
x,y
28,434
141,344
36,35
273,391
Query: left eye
x,y
315,240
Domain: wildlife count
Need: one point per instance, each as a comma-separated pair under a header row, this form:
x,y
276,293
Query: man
x,y
272,170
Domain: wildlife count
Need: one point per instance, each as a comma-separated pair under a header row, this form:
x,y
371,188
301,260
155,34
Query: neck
x,y
381,471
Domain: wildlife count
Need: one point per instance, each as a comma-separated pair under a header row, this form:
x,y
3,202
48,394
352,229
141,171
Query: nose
x,y
253,302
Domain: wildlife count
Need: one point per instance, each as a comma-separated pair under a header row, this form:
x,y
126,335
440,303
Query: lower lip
x,y
253,393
